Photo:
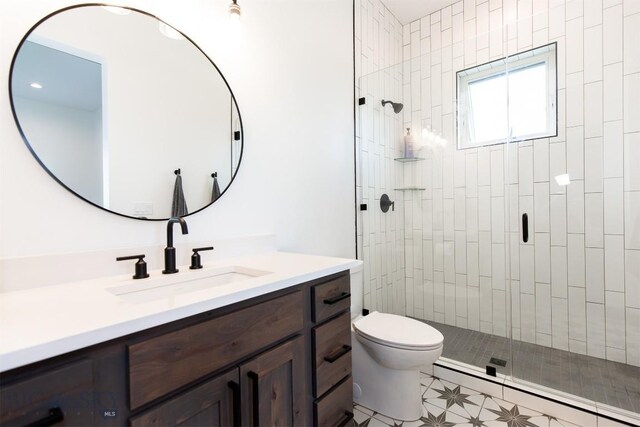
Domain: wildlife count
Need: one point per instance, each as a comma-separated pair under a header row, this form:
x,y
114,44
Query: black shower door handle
x,y
525,227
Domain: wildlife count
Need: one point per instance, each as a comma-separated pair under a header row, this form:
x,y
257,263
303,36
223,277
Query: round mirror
x,y
126,112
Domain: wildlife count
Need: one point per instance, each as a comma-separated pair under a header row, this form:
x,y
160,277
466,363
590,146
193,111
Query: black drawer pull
x,y
54,417
338,354
345,420
235,393
337,298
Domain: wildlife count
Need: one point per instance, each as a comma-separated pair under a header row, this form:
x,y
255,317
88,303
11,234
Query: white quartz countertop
x,y
40,323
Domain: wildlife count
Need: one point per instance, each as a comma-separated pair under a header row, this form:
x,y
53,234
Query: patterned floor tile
x,y
445,419
449,405
509,415
361,408
376,423
432,412
360,417
388,421
560,423
429,408
474,410
542,421
418,423
494,401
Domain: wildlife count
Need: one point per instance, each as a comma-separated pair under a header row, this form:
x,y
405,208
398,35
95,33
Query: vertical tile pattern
x,y
379,42
454,252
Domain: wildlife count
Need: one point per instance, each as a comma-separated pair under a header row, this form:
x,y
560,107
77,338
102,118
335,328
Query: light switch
x,y
143,208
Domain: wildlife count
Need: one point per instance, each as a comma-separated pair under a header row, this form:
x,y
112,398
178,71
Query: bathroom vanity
x,y
258,340
269,350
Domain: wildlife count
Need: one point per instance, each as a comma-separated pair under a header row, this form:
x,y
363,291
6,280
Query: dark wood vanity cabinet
x,y
331,343
273,360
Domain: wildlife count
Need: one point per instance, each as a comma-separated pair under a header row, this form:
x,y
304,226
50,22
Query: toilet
x,y
389,351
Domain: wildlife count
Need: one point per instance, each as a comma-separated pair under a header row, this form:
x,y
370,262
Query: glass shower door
x,y
571,215
380,206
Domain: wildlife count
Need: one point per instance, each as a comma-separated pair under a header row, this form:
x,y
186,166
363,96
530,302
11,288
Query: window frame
x,y
546,54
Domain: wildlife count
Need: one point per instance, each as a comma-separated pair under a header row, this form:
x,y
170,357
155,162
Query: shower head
x,y
397,107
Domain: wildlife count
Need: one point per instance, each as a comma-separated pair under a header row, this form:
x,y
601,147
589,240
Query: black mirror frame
x,y
52,175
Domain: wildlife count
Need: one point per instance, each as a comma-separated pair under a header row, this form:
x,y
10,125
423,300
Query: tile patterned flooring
x,y
449,405
604,381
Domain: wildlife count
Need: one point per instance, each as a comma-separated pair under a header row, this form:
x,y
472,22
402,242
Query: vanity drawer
x,y
332,345
69,388
331,297
336,408
167,362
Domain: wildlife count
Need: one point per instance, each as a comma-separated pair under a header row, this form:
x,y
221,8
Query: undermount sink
x,y
184,282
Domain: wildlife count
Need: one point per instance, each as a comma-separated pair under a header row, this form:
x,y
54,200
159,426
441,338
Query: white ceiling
x,y
410,10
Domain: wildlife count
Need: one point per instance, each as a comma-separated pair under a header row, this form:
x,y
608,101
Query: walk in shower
x,y
515,224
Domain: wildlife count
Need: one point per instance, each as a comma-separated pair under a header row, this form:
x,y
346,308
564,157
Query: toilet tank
x,y
357,290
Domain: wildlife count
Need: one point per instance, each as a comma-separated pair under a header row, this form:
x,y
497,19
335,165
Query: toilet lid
x,y
398,331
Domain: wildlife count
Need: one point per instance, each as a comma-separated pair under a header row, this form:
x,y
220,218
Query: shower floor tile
x,y
446,404
604,381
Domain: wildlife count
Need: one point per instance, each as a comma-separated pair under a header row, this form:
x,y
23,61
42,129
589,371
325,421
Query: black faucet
x,y
170,251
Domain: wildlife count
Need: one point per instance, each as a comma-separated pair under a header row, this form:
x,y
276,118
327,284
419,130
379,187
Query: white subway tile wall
x,y
453,252
379,41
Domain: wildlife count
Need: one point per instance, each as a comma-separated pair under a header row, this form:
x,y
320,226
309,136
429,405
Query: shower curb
x,y
568,407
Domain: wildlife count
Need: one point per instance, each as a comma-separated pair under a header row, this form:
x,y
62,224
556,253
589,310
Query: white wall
x,y
291,69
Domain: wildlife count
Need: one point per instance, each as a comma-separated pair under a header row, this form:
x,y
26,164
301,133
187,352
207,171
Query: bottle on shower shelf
x,y
408,144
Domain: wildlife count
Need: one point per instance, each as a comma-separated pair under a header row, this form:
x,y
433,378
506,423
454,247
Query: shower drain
x,y
499,362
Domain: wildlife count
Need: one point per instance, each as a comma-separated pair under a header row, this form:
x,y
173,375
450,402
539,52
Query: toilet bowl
x,y
388,353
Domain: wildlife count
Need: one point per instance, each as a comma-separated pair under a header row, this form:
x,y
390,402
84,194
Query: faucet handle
x,y
141,265
196,261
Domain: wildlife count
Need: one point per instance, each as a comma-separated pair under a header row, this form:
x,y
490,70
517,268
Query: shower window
x,y
510,99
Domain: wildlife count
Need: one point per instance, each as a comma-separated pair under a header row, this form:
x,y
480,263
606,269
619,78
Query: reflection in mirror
x,y
111,104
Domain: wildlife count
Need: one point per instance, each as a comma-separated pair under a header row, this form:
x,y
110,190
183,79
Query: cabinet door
x,y
214,403
63,396
273,387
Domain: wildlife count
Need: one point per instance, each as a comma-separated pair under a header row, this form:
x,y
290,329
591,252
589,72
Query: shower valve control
x,y
385,203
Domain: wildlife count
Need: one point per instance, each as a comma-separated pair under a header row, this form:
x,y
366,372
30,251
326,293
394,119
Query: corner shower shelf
x,y
410,189
408,159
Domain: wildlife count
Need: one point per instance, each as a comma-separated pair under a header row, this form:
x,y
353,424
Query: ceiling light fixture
x,y
36,85
234,11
